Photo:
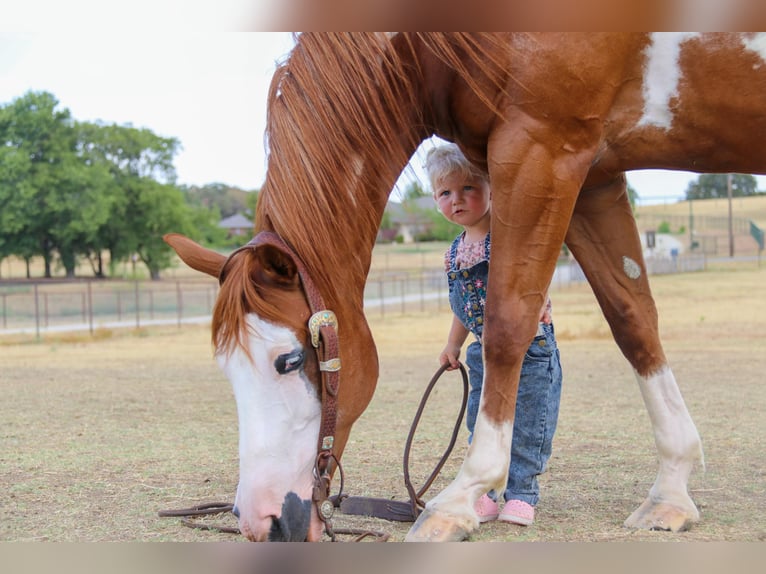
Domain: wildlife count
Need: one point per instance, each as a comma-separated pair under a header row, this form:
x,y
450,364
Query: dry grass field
x,y
99,433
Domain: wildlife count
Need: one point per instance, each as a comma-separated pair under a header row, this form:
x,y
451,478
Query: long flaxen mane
x,y
344,116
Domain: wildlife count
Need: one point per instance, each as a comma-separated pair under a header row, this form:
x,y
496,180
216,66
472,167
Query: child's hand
x,y
450,356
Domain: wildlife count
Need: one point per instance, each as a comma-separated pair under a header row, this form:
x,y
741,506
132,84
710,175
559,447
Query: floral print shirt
x,y
469,254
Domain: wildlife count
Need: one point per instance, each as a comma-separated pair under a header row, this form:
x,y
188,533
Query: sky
x,y
208,90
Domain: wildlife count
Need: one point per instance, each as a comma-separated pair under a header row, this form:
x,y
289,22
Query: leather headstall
x,y
323,328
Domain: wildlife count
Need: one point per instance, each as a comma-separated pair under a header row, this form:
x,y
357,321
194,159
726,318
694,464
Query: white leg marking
x,y
661,77
678,442
485,467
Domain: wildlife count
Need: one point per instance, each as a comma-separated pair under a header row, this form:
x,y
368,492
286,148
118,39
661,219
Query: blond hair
x,y
447,160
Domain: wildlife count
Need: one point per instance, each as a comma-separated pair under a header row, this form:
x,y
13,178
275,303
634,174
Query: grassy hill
x,y
753,208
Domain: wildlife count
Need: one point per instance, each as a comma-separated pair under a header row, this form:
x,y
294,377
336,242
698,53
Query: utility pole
x,y
731,227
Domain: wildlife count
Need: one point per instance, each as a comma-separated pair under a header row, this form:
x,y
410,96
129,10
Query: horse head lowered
x,y
277,344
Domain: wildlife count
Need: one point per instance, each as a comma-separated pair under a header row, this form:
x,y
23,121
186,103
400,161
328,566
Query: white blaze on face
x,y
279,417
662,75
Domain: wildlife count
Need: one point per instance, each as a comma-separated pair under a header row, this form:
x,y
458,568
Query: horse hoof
x,y
434,526
653,515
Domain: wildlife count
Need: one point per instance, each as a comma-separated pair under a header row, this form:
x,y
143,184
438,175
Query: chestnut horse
x,y
556,119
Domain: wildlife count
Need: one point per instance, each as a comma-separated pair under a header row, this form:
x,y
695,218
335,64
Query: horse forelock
x,y
239,296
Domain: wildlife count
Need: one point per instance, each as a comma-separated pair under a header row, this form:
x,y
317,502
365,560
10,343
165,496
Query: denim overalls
x,y
537,403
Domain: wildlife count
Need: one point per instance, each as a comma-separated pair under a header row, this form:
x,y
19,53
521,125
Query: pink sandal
x,y
486,508
518,512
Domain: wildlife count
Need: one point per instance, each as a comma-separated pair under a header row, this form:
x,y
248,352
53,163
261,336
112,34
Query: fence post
x,y
37,314
179,302
380,292
138,314
422,292
404,287
90,306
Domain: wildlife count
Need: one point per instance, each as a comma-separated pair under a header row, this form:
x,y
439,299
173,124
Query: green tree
x,y
16,200
229,200
712,185
413,191
213,202
440,228
77,189
139,162
52,197
158,209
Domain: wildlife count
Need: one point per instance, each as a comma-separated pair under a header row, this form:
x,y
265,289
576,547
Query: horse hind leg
x,y
604,239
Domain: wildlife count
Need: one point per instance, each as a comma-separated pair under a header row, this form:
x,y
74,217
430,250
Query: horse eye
x,y
289,362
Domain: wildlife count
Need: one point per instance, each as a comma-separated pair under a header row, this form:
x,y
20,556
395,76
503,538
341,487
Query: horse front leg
x,y
530,215
604,239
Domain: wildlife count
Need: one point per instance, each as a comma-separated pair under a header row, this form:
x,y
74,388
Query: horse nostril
x,y
294,523
235,511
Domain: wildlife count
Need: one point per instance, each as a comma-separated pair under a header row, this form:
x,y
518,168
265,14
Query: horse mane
x,y
338,133
345,113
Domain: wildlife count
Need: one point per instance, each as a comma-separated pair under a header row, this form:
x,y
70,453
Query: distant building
x,y
409,219
237,225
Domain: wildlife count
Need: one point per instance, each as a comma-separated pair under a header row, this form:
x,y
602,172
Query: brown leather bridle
x,y
323,327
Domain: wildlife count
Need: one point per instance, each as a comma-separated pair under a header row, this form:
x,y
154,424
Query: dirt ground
x,y
99,434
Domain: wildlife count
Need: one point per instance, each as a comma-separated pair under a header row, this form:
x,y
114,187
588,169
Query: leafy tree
x,y
134,158
440,228
713,185
252,201
16,198
76,189
79,208
57,204
158,209
413,191
129,151
229,200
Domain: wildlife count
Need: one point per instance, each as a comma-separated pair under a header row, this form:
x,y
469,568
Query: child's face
x,y
462,201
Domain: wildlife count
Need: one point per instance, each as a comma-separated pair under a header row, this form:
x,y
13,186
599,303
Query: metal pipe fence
x,y
57,306
38,307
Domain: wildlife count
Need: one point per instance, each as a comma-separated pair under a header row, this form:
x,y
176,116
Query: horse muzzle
x,y
296,522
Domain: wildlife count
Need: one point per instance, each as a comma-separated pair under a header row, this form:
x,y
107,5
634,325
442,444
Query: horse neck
x,y
336,246
337,144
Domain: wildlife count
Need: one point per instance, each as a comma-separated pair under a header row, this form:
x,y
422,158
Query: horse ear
x,y
194,255
276,266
